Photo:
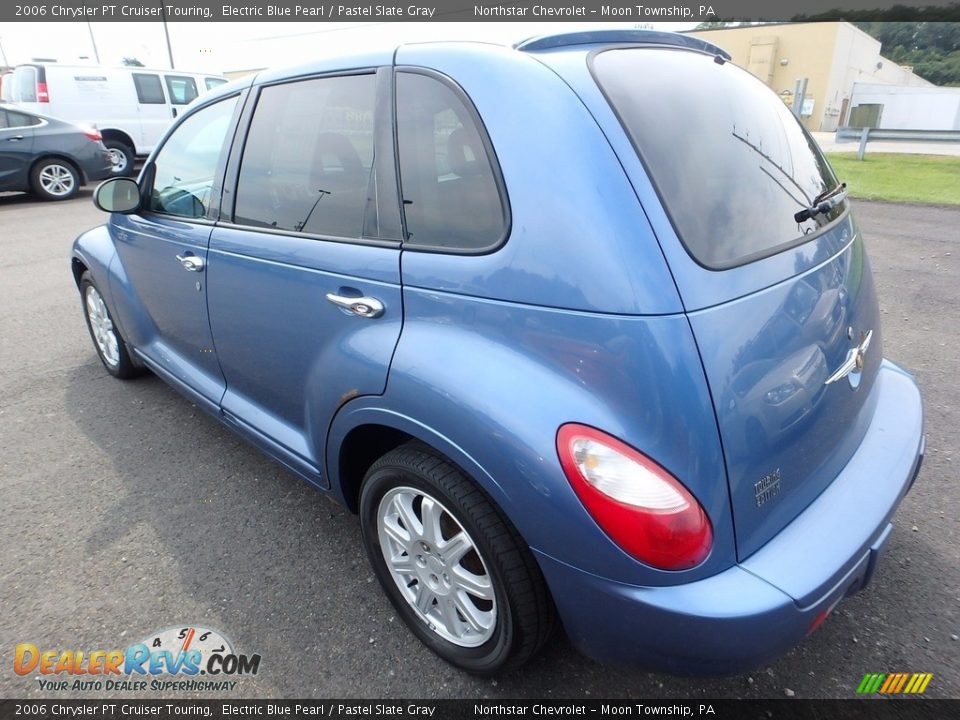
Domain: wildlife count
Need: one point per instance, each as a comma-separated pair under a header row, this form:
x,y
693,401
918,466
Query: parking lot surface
x,y
126,511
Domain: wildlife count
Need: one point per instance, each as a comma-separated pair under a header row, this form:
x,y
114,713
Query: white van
x,y
6,86
131,106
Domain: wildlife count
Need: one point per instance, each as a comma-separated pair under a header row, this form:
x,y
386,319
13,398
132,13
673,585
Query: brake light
x,y
93,134
42,94
637,503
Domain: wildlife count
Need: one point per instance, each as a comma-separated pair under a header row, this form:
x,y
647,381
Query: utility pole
x,y
3,54
93,42
166,33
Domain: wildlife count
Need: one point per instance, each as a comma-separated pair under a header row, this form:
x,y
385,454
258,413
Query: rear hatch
x,y
733,167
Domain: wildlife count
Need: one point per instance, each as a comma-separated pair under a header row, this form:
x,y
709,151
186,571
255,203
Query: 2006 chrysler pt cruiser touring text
x,y
584,330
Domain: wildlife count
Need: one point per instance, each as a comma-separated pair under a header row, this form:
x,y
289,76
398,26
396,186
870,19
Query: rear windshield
x,y
731,163
26,79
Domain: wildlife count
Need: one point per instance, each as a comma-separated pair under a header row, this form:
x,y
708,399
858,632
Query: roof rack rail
x,y
634,37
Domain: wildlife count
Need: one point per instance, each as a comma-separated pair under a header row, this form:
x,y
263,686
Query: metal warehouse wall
x,y
911,108
831,55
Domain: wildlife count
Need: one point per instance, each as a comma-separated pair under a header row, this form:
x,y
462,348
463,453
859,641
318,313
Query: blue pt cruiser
x,y
584,330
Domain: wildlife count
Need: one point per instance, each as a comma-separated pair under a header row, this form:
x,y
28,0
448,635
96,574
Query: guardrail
x,y
864,135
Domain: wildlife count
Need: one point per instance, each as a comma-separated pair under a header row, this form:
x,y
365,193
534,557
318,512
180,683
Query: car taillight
x,y
638,504
93,134
42,94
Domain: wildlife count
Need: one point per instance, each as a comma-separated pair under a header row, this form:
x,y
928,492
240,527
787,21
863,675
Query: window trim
x,y
40,121
651,178
235,163
507,212
370,241
148,174
39,76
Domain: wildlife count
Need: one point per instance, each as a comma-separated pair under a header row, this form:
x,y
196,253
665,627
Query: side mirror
x,y
117,195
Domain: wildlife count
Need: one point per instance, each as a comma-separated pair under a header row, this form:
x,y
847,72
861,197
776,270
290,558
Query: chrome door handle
x,y
15,138
368,307
191,262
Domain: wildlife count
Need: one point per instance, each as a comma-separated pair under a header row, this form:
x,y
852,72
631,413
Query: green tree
x,y
931,48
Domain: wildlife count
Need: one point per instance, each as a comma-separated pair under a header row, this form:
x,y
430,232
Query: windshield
x,y
731,163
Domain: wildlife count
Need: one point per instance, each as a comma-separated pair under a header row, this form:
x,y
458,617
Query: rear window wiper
x,y
823,203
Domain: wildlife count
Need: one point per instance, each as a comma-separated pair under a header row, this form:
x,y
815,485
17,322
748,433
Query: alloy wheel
x,y
57,180
437,566
102,327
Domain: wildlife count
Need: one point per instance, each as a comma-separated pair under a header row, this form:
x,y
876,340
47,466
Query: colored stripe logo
x,y
894,683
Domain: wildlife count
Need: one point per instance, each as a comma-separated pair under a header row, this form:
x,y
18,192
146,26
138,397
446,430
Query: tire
x,y
55,179
107,340
122,156
488,574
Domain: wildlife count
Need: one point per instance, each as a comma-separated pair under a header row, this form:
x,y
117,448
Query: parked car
x,y
48,157
131,106
502,303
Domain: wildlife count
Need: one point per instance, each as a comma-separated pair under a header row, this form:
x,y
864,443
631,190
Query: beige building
x,y
832,56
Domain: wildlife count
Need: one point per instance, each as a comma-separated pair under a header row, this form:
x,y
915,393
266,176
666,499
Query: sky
x,y
216,47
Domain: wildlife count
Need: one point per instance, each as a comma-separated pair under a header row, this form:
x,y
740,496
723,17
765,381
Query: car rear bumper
x,y
95,163
750,614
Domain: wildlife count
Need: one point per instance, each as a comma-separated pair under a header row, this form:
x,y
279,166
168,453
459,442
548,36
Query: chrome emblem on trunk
x,y
767,487
853,365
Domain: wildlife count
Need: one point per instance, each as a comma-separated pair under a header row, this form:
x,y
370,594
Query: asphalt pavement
x,y
126,510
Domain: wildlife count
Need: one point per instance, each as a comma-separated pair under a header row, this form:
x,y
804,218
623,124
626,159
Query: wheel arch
x,y
120,136
362,432
78,268
362,446
63,158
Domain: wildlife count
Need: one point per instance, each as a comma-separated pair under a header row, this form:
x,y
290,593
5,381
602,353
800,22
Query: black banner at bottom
x,y
116,709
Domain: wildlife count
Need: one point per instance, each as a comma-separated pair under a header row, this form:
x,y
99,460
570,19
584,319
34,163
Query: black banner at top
x,y
639,11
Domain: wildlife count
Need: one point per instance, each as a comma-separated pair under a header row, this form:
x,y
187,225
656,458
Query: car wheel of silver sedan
x,y
460,576
107,340
54,179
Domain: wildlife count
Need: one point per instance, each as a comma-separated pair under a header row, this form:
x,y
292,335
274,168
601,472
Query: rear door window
x,y
211,83
182,89
6,87
17,119
451,195
731,163
26,83
308,160
149,89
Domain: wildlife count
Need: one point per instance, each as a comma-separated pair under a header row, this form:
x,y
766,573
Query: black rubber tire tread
x,y
532,612
125,369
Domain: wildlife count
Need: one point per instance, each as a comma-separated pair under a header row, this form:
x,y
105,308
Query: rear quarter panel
x,y
488,383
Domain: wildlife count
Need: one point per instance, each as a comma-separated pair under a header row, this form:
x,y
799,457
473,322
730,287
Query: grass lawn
x,y
931,179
